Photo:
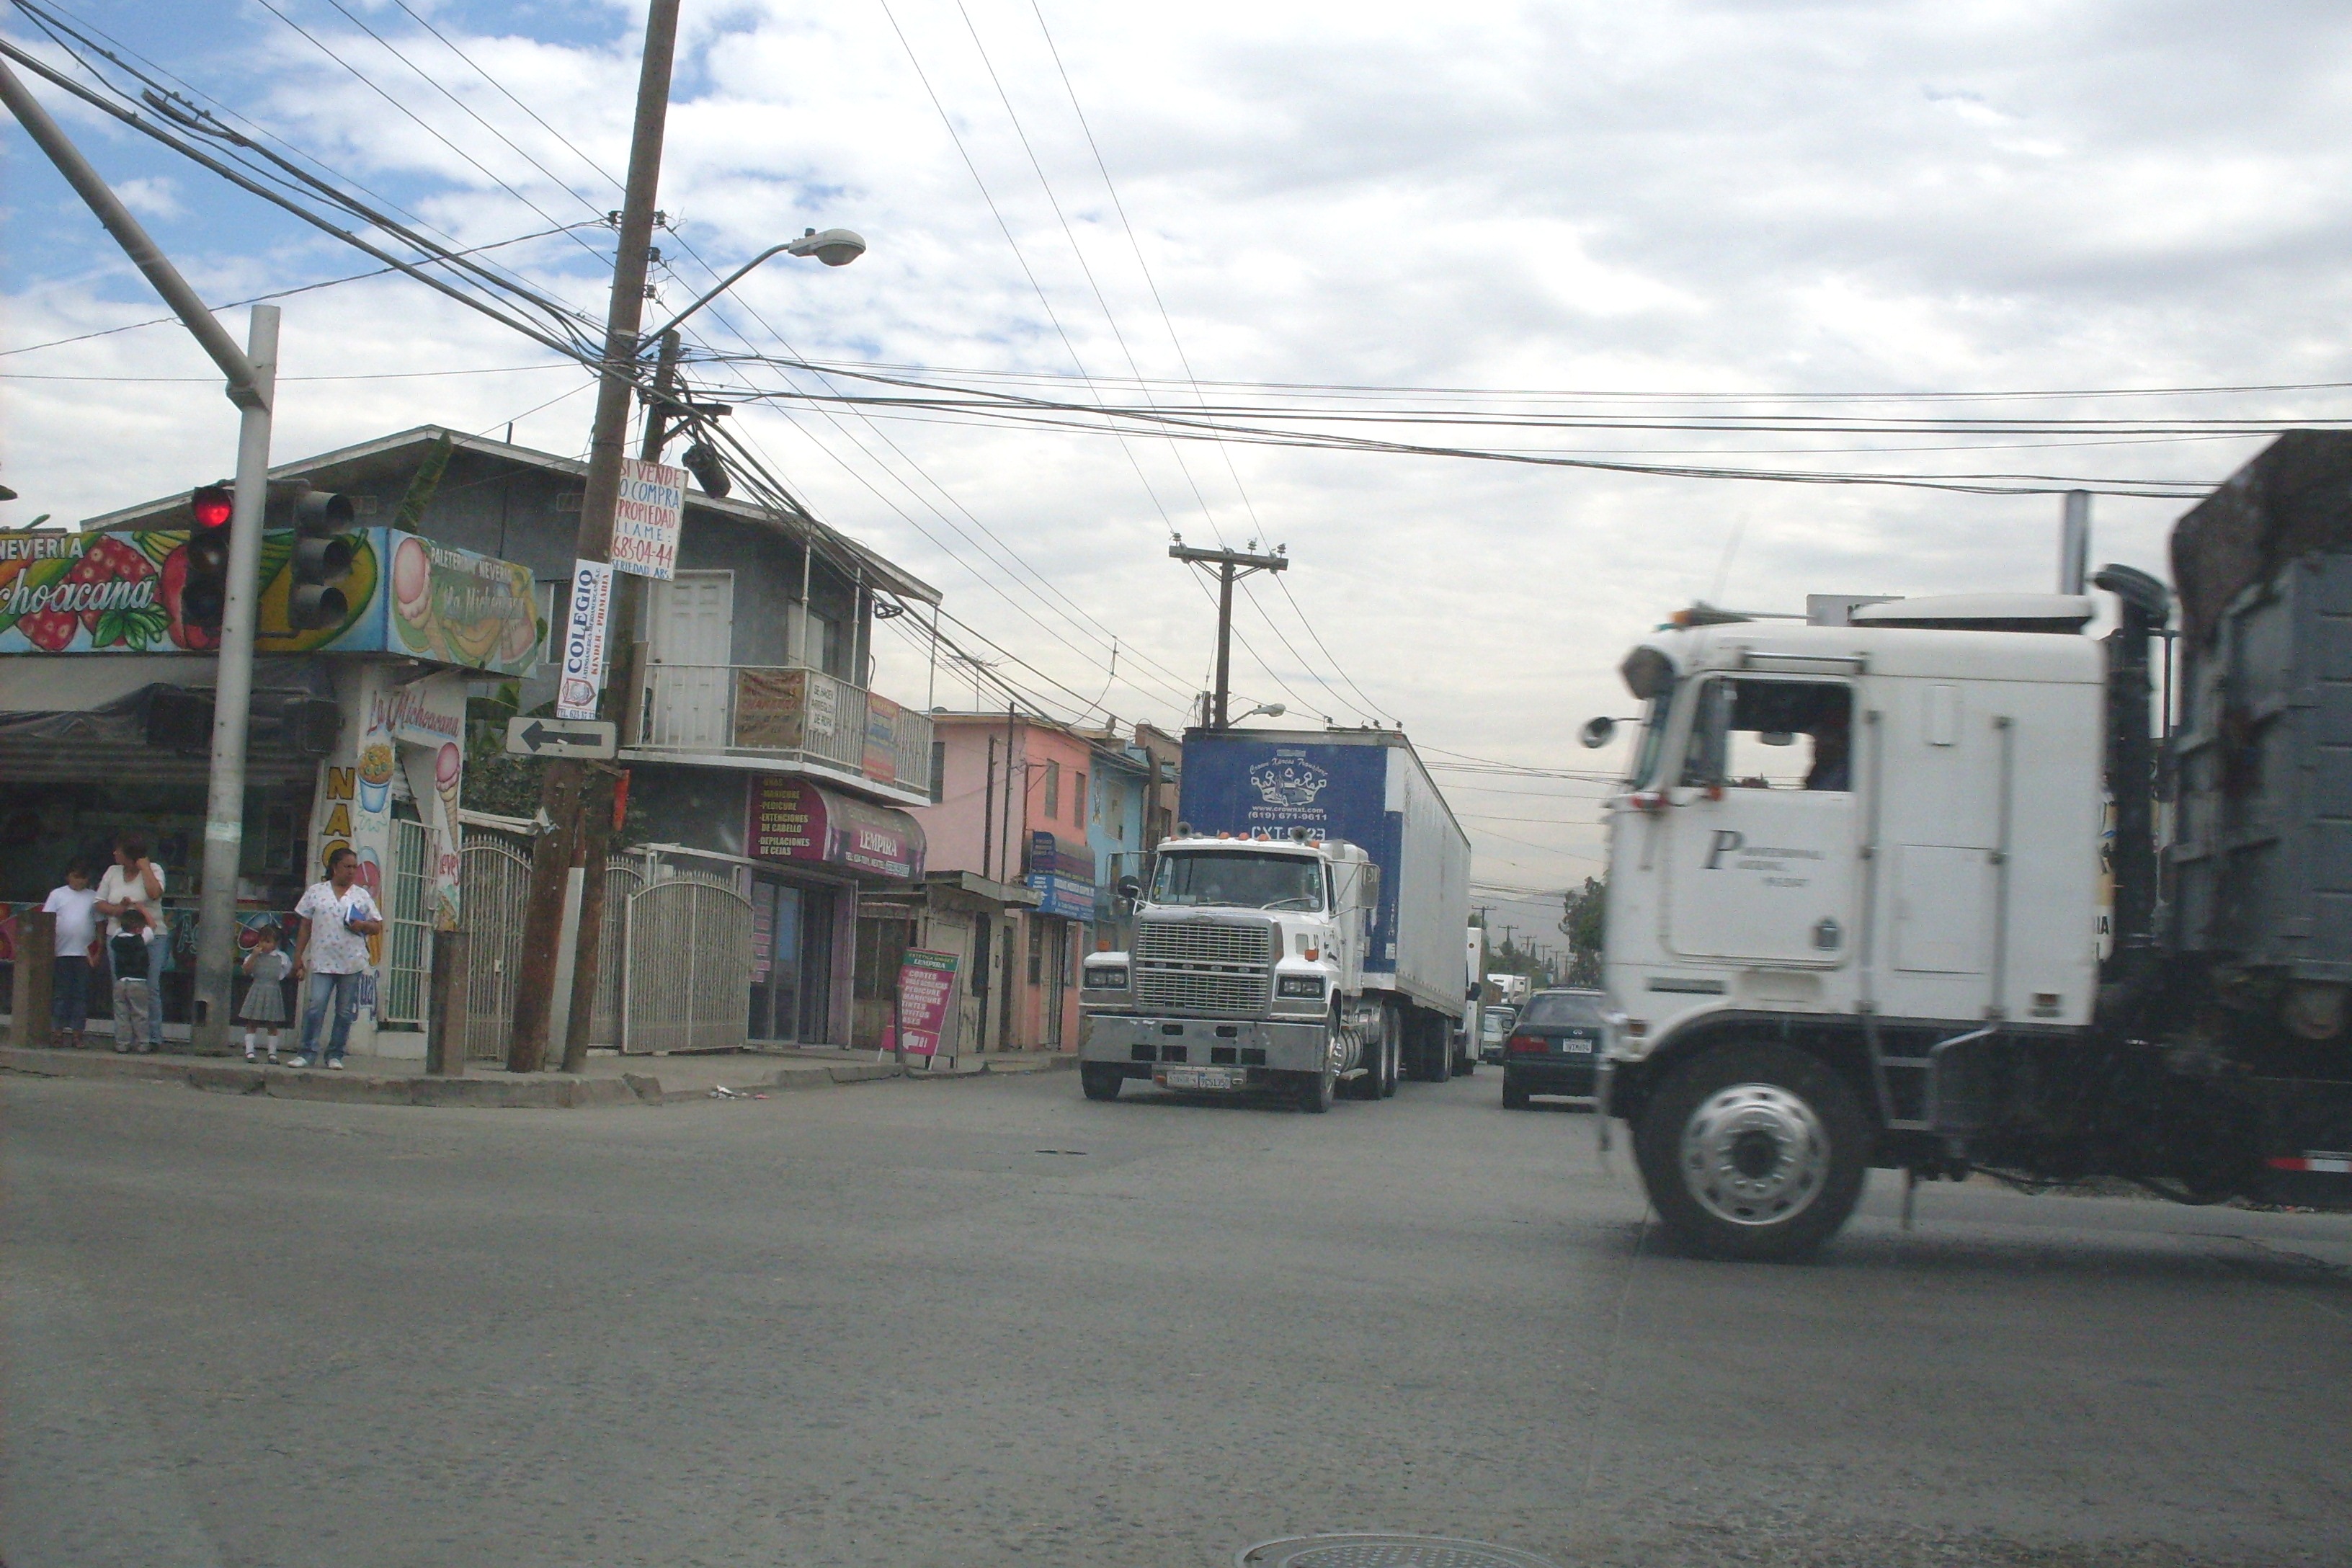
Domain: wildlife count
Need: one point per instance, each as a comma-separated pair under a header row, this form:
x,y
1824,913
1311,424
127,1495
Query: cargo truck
x,y
1890,893
1302,931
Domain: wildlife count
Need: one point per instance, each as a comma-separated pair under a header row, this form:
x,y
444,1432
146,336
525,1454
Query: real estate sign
x,y
650,515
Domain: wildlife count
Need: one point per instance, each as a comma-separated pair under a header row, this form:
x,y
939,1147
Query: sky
x,y
1672,209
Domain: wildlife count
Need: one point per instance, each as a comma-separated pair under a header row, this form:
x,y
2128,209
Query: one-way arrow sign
x,y
589,738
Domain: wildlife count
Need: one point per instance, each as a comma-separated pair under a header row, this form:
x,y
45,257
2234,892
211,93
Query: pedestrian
x,y
135,881
265,999
134,993
330,947
76,907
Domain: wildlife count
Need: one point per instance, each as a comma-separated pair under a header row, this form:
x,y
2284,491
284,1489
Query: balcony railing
x,y
758,712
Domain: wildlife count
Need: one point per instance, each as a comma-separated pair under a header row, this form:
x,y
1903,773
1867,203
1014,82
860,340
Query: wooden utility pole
x,y
560,795
1232,565
598,797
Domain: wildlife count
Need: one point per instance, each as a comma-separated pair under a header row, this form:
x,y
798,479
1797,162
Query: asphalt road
x,y
991,1323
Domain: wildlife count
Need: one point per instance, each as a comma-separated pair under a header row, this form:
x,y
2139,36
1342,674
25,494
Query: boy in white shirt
x,y
76,907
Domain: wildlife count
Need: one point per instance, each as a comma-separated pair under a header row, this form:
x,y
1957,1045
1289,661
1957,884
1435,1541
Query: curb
x,y
492,1091
319,1084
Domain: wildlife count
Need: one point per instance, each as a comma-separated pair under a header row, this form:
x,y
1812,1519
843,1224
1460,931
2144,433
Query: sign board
x,y
125,592
926,1003
583,640
881,739
1062,876
769,704
648,518
589,738
791,819
428,712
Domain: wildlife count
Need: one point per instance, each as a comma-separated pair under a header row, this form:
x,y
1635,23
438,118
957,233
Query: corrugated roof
x,y
829,542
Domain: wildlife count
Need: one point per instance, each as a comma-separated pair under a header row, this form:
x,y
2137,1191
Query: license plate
x,y
1204,1078
1582,1047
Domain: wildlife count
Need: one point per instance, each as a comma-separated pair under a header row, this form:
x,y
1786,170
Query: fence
x,y
407,928
494,890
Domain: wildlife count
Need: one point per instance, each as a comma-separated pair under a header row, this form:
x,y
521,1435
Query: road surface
x,y
988,1322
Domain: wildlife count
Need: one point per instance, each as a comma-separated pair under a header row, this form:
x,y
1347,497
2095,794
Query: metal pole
x,y
252,387
2074,543
559,793
233,701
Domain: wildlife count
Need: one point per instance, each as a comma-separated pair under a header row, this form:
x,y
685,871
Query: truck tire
x,y
1753,1154
1314,1092
1515,1093
1392,1058
1100,1080
1436,1050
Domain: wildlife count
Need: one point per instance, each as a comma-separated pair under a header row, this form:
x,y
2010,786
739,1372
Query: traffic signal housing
x,y
203,581
322,553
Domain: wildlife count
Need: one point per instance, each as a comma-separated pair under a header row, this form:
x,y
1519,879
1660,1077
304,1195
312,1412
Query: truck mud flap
x,y
2307,1153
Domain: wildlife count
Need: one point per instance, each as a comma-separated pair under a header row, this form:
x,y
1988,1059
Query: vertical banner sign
x,y
583,640
925,988
647,523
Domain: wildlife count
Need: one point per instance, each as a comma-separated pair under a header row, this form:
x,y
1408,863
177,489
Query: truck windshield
x,y
1654,739
1250,881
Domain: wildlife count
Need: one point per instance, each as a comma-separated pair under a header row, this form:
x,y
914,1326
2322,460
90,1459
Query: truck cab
x,y
1245,971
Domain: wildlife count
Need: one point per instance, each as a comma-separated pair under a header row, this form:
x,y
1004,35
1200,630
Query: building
x,y
1012,869
1115,832
766,781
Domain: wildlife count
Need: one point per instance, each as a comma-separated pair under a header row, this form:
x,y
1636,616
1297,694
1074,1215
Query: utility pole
x,y
560,793
252,374
1232,565
599,797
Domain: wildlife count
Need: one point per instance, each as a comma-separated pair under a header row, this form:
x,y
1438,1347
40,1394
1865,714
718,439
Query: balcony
x,y
780,716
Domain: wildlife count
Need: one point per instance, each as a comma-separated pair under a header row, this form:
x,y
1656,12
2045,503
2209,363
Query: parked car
x,y
1493,1028
1554,1047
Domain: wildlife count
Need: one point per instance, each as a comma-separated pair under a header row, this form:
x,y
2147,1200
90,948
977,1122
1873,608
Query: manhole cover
x,y
1383,1550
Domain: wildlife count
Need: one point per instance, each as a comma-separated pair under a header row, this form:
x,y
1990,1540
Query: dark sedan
x,y
1554,1047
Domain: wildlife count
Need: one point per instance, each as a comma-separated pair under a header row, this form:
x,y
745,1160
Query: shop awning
x,y
795,822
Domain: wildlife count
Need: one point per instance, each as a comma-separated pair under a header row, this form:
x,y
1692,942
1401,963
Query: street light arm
x,y
835,248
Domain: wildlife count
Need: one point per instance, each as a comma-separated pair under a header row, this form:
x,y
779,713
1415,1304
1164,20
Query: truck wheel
x,y
1753,1154
1315,1090
1437,1049
1515,1093
1100,1080
1391,1061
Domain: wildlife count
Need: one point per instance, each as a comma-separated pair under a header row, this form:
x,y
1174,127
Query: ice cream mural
x,y
375,776
427,722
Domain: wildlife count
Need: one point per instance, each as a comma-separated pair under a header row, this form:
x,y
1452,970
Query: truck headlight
x,y
1102,977
1306,987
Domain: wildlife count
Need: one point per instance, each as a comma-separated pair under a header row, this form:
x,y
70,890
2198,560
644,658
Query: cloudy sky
x,y
1760,203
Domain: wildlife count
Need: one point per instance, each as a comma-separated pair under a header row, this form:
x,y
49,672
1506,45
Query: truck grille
x,y
1205,966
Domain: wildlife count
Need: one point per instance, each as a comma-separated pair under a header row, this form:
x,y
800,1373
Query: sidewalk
x,y
610,1079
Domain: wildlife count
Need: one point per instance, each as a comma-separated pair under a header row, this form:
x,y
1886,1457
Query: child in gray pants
x,y
132,997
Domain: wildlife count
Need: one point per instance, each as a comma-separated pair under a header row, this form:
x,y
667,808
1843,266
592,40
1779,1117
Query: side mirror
x,y
1127,887
1597,732
1775,738
1471,994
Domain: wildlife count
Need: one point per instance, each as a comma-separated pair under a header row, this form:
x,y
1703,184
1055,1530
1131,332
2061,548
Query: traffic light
x,y
204,589
322,553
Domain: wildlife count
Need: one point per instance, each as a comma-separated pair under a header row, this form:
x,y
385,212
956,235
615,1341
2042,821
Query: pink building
x,y
1010,875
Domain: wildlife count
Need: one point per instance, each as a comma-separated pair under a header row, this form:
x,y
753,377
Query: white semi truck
x,y
1302,931
1860,877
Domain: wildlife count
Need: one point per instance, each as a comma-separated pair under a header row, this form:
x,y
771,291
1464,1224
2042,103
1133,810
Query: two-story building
x,y
767,783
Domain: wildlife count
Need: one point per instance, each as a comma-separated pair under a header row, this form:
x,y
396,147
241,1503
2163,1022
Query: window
x,y
1052,796
939,772
1078,799
1747,735
1239,879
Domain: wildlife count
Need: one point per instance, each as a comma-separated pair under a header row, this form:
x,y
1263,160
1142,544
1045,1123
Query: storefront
x,y
1062,874
813,851
356,731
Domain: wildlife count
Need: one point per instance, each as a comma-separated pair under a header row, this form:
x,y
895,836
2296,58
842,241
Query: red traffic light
x,y
212,506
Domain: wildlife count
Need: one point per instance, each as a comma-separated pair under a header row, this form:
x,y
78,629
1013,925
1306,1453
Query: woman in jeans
x,y
338,917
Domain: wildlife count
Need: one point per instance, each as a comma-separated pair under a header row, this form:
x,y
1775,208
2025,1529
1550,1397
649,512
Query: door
x,y
776,920
1763,836
1057,968
689,676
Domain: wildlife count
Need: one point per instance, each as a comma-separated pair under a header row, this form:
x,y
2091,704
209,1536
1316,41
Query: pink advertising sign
x,y
926,994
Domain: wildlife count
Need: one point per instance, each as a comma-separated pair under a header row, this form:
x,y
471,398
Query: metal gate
x,y
688,969
495,888
623,878
407,928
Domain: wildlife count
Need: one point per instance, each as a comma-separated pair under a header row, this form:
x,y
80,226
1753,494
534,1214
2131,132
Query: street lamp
x,y
1271,709
834,246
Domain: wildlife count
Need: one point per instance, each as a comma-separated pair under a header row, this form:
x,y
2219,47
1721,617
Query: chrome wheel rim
x,y
1754,1154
